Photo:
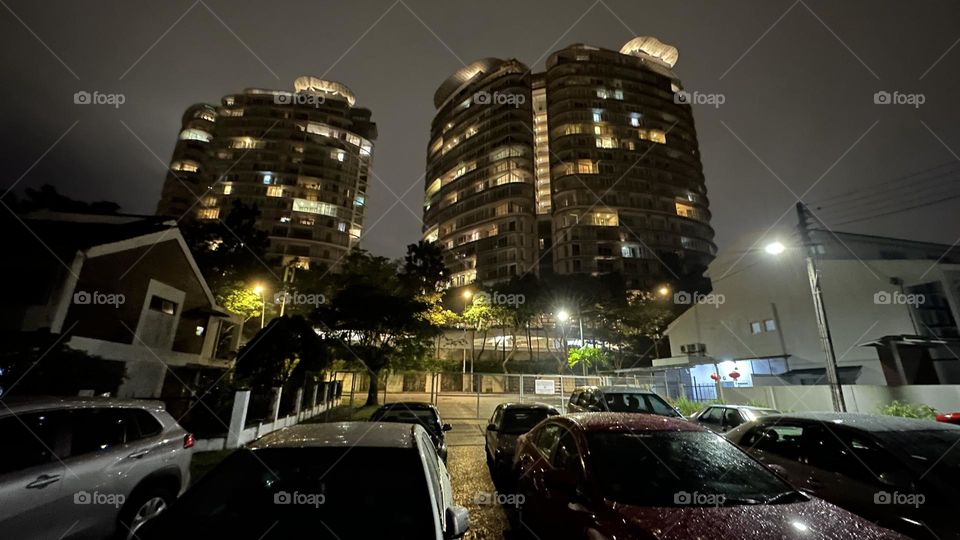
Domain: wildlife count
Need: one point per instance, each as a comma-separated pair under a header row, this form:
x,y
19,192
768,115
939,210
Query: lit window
x,y
338,155
769,325
618,94
602,219
267,179
634,121
360,200
227,188
244,142
585,166
274,191
654,135
284,219
603,93
686,210
208,213
342,226
755,327
596,117
185,166
606,142
195,135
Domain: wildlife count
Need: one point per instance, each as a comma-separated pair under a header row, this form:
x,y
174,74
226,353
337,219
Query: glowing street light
x,y
259,289
663,290
775,248
563,316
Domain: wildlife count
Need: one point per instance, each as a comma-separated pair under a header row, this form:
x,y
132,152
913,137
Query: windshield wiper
x,y
785,497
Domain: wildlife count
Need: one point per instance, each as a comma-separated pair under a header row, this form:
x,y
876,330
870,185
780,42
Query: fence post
x,y
353,383
562,399
474,376
298,404
521,388
275,406
313,396
238,417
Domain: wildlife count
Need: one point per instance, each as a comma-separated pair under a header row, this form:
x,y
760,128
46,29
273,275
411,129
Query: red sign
x,y
735,375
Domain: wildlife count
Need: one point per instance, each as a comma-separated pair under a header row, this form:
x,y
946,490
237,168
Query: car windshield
x,y
679,469
333,492
639,403
516,422
934,453
424,417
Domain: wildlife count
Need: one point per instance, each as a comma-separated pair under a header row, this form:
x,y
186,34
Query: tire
x,y
143,505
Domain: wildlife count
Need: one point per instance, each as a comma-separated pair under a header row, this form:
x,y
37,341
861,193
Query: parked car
x,y
415,412
613,475
721,418
618,399
88,467
949,418
336,481
901,473
509,421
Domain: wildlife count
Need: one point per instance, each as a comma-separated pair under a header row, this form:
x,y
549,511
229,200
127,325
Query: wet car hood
x,y
814,519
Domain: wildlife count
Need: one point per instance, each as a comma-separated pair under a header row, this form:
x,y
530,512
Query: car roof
x,y
362,434
629,422
613,389
751,407
25,404
530,406
412,405
867,422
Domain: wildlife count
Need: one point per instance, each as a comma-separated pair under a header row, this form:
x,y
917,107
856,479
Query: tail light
x,y
188,440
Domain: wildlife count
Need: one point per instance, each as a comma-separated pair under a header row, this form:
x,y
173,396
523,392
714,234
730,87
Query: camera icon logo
x,y
82,298
482,98
283,99
682,297
481,498
281,497
82,98
682,98
682,497
882,298
81,497
882,98
882,497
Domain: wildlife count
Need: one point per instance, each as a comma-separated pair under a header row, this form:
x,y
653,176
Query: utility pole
x,y
826,341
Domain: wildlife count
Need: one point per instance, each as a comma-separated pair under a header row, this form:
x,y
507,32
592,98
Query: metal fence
x,y
476,395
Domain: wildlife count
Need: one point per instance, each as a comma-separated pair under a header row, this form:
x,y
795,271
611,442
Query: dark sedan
x,y
899,472
607,475
416,412
509,421
722,418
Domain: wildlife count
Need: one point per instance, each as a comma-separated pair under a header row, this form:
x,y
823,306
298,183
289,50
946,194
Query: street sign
x,y
544,386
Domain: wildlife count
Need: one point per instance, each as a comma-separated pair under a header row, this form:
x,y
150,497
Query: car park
x,y
508,422
88,467
618,399
721,418
643,476
899,472
335,480
415,412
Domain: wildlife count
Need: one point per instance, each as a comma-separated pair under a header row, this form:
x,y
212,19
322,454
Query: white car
x,y
88,467
338,481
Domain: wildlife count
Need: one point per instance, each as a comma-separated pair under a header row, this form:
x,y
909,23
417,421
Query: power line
x,y
837,212
930,203
891,181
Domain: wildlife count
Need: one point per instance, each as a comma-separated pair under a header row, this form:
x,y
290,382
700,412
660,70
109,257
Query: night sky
x,y
798,79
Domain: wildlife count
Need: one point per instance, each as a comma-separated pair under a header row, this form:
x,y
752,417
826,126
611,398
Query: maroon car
x,y
613,475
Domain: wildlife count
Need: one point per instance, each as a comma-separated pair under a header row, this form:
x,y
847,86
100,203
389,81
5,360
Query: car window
x,y
657,405
566,457
782,439
638,402
518,421
546,440
825,449
98,430
495,419
711,415
147,425
584,398
575,397
28,440
732,418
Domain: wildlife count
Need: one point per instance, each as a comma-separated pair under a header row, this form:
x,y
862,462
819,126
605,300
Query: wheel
x,y
144,505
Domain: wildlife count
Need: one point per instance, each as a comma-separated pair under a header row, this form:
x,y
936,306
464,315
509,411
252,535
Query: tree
x,y
228,251
376,314
586,357
282,352
480,316
40,363
48,198
240,299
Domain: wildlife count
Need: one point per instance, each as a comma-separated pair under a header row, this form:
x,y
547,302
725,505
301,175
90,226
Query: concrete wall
x,y
858,398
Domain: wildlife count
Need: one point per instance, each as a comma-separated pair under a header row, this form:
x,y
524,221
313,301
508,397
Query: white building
x,y
892,307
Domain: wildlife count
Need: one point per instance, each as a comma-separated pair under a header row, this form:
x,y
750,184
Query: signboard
x,y
544,386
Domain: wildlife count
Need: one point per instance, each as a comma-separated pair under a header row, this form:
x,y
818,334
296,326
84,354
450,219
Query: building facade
x,y
892,308
302,157
589,167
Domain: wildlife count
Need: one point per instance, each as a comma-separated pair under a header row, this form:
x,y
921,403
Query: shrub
x,y
906,409
688,406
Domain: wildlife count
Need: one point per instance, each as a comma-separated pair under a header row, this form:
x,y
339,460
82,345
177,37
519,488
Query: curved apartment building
x,y
480,185
302,157
618,183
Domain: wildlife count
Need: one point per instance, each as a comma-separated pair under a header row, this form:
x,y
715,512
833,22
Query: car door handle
x,y
43,481
138,455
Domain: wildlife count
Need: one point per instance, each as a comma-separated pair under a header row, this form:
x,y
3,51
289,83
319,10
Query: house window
x,y
274,191
755,327
163,305
769,325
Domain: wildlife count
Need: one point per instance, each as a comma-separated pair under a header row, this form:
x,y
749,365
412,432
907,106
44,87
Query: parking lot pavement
x,y
470,477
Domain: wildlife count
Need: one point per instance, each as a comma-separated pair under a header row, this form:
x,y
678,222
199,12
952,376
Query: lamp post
x,y
258,289
823,326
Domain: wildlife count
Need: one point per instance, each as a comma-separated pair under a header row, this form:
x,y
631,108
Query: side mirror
x,y
457,522
446,427
491,427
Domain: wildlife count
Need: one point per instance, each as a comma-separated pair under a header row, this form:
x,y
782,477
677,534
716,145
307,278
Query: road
x,y
470,477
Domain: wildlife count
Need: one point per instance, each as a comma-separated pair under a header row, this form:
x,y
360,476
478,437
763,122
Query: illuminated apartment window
x,y
634,121
338,155
686,210
586,166
267,179
603,93
274,191
342,226
653,135
618,94
308,221
209,116
572,129
195,135
227,188
208,213
602,219
284,219
359,201
244,142
597,117
232,112
185,166
606,142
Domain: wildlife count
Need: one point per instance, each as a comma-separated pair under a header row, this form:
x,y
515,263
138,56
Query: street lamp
x,y
823,327
663,290
563,316
467,294
258,289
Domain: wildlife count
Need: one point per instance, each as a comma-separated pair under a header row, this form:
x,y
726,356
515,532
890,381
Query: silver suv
x,y
88,467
